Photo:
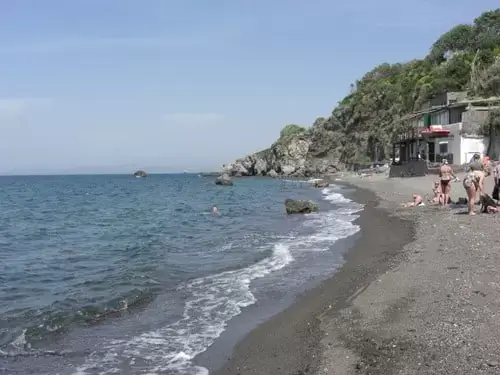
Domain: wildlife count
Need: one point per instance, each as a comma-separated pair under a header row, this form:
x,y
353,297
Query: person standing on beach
x,y
446,175
496,178
473,183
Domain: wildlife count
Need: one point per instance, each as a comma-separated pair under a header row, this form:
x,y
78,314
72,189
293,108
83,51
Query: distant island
x,y
140,174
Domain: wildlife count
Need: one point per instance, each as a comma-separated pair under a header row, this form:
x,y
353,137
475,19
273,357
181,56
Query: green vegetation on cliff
x,y
291,129
361,127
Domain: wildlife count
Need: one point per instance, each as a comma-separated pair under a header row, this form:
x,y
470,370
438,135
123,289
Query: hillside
x,y
361,126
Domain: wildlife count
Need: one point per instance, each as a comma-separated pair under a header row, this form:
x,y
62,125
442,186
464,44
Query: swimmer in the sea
x,y
215,211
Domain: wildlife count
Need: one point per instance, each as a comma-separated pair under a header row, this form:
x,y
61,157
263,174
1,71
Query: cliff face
x,y
291,156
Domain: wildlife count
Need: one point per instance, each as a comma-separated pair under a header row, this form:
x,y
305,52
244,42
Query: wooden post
x,y
418,141
426,140
393,152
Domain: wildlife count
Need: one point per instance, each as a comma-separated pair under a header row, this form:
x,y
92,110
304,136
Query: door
x,y
432,152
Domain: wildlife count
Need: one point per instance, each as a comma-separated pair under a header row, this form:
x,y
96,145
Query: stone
x,y
322,184
272,173
224,180
294,206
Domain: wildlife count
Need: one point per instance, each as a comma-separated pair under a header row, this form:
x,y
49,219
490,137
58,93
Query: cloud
x,y
193,118
16,107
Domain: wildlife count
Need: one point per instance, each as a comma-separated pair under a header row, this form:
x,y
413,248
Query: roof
x,y
424,112
462,103
436,131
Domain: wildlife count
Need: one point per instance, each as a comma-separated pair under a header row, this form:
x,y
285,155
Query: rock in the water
x,y
272,173
224,180
140,174
321,184
300,206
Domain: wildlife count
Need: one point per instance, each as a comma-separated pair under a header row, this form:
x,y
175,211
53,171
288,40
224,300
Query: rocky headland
x,y
294,154
361,127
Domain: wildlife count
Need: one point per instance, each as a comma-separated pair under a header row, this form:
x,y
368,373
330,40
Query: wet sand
x,y
418,294
290,342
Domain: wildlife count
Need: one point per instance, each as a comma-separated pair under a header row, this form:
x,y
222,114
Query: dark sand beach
x,y
290,342
418,294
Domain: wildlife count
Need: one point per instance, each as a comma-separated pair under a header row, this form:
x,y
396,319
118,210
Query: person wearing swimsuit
x,y
473,182
445,176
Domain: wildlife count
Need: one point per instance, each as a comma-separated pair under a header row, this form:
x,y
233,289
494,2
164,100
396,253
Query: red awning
x,y
436,131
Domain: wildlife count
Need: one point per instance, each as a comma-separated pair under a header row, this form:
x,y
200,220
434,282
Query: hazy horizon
x,y
104,170
121,85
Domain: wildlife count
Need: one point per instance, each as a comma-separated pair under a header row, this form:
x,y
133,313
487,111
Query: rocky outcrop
x,y
289,156
224,180
140,174
321,184
300,206
272,173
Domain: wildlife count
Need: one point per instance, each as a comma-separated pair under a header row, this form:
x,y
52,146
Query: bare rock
x,y
224,180
300,206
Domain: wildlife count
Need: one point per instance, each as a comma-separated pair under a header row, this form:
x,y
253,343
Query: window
x,y
443,148
439,118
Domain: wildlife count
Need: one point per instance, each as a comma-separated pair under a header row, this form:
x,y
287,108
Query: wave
x,y
214,300
20,339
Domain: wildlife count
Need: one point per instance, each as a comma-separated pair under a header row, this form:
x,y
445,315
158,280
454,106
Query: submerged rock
x,y
224,180
294,206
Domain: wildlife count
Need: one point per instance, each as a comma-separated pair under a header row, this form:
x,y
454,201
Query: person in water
x,y
474,183
215,211
445,176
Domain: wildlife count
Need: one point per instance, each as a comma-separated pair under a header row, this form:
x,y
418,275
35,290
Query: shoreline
x,y
291,342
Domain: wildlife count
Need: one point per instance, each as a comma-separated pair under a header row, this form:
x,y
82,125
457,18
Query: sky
x,y
166,85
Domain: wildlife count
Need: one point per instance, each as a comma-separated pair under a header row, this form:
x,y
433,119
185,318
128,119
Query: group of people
x,y
473,182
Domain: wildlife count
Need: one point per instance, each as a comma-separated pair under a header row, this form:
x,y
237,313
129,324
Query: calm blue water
x,y
112,274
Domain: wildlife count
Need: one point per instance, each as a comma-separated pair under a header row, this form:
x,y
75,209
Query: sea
x,y
110,274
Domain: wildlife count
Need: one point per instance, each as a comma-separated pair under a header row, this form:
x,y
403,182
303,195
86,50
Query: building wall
x,y
462,146
471,146
452,142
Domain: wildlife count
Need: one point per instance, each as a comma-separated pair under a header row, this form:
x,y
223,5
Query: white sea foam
x,y
331,225
215,299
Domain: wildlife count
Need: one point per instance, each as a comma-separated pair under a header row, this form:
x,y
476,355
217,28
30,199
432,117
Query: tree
x,y
290,130
485,82
460,38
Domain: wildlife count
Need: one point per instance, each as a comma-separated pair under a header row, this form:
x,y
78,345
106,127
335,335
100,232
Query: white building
x,y
450,128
